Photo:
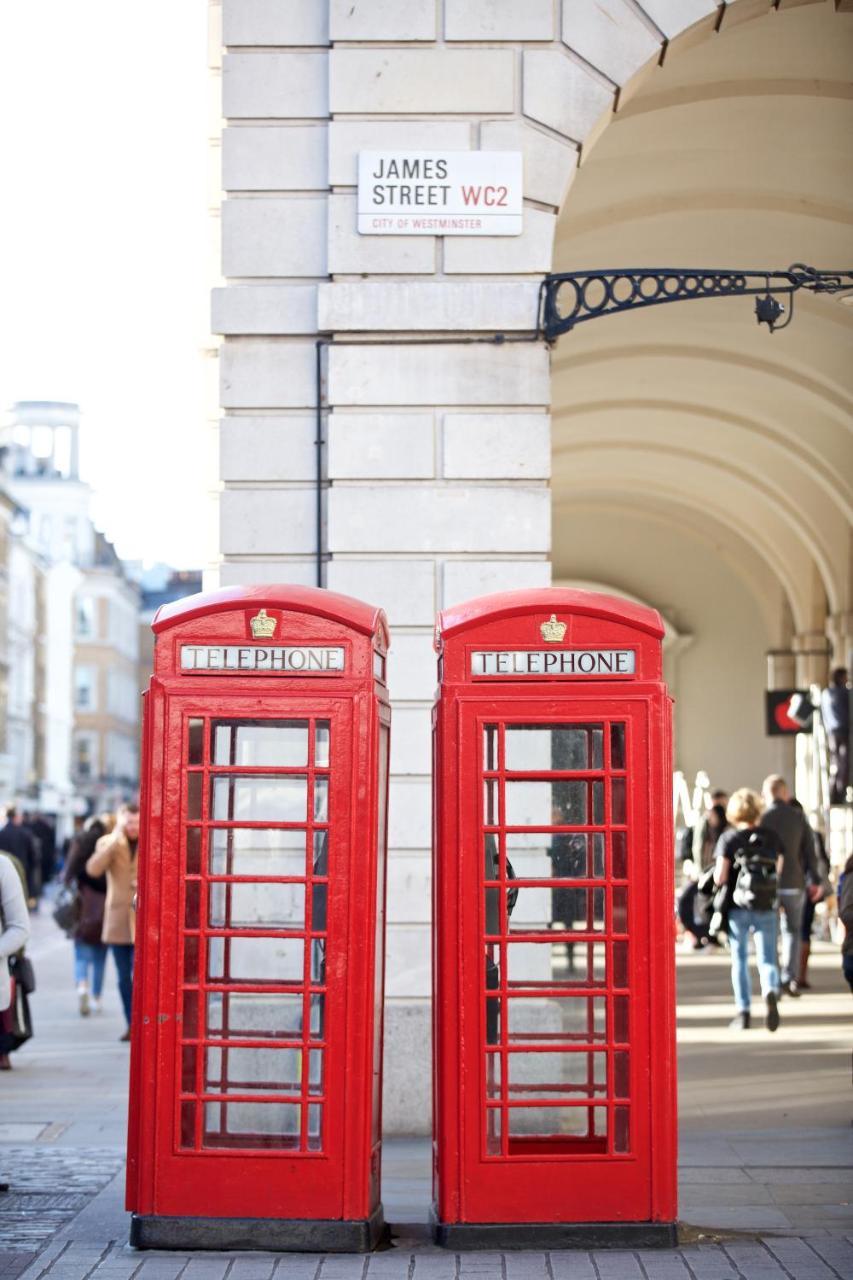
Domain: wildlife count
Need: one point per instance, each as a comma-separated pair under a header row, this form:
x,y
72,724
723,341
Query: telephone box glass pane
x,y
321,744
253,1070
193,851
192,898
194,785
617,746
621,1076
195,742
250,1124
490,745
253,1015
617,801
569,910
621,1129
553,747
575,1122
256,906
260,799
556,1075
241,959
315,1127
267,744
567,1018
531,964
619,854
252,852
559,803
542,856
321,799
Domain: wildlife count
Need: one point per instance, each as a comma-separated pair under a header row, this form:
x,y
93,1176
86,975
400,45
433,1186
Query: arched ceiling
x,y
735,153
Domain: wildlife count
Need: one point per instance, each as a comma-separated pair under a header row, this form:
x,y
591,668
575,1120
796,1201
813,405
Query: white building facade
x,y
677,455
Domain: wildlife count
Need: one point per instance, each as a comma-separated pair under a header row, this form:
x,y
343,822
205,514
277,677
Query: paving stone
x,y
570,1265
617,1264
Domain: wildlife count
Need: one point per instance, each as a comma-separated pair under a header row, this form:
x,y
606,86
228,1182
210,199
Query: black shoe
x,y
789,989
771,1018
741,1022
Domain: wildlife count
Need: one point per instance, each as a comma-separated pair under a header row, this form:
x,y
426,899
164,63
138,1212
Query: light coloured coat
x,y
113,856
14,922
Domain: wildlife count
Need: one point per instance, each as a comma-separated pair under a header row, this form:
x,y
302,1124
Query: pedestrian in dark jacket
x,y
90,953
799,876
16,840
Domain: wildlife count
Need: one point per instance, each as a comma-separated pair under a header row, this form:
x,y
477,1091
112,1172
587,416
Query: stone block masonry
x,y
436,456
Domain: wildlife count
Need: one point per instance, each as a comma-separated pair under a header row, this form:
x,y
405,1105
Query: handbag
x,y
21,969
67,908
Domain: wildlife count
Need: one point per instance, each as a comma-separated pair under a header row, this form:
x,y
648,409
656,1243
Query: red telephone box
x,y
554,1001
256,1050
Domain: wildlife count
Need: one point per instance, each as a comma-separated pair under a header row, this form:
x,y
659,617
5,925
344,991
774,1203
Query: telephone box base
x,y
285,1235
555,1235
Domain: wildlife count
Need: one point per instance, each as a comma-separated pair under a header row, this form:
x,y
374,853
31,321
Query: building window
x,y
85,615
85,751
85,689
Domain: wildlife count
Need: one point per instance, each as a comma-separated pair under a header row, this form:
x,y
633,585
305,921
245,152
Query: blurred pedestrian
x,y
810,904
90,952
748,861
45,832
845,915
115,855
835,712
707,832
17,840
799,877
14,932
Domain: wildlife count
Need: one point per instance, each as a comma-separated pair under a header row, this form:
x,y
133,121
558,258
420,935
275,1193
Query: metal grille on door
x,y
555,947
255,887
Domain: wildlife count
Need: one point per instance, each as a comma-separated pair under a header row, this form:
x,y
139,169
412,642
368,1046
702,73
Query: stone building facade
x,y
691,467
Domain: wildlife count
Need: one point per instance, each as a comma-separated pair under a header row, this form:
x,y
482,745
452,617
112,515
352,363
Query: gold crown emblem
x,y
262,625
552,630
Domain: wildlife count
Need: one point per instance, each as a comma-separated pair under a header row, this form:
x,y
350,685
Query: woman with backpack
x,y
748,861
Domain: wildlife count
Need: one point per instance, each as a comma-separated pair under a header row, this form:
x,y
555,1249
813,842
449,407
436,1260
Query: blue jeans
x,y
763,925
123,956
90,955
791,904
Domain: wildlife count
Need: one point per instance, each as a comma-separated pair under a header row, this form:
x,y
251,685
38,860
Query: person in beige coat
x,y
115,856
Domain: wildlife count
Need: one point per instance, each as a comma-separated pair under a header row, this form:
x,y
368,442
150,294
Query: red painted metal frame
x,y
340,1181
538,1180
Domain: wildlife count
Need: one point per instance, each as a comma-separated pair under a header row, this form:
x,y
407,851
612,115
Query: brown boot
x,y
802,981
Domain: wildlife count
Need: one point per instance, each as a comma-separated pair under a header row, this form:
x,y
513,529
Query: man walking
x,y
799,872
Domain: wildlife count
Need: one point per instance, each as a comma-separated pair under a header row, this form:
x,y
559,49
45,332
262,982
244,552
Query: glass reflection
x,y
269,744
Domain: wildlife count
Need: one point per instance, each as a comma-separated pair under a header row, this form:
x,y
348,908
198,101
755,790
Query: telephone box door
x,y
253,988
554,1003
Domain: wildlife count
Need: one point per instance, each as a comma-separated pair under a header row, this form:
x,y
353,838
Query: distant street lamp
x,y
570,297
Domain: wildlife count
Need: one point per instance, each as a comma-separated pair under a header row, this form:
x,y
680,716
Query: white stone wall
x,y
437,449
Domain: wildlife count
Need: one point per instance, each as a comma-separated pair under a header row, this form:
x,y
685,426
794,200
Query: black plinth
x,y
276,1235
503,1236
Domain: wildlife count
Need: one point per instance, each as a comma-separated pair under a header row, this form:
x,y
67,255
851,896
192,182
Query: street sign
x,y
435,193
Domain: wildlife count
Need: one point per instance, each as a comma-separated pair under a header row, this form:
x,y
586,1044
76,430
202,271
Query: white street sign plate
x,y
440,193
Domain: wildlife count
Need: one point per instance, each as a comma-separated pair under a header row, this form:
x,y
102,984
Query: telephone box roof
x,y
508,604
288,597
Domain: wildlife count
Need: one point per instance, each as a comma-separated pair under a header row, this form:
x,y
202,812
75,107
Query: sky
x,y
106,252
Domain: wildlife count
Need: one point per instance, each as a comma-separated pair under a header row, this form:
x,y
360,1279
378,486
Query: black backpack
x,y
757,884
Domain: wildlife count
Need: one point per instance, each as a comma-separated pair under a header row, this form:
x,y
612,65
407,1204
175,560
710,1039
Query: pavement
x,y
765,1167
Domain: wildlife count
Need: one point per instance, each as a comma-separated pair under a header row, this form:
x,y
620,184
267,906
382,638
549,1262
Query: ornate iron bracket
x,y
574,296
